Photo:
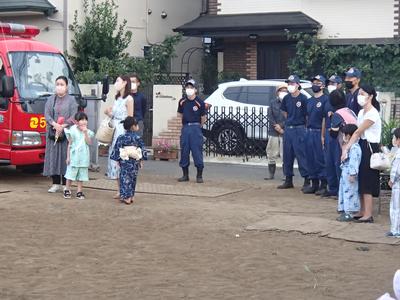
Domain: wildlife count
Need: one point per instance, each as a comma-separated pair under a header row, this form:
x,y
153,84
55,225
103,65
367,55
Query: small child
x,y
78,154
394,183
129,165
349,198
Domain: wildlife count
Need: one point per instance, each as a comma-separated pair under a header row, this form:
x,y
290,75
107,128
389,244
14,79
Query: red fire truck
x,y
28,70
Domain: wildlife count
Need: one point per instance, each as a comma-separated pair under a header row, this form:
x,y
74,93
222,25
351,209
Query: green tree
x,y
99,36
380,64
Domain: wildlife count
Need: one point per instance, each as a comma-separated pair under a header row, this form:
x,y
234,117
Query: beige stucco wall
x,y
146,29
341,19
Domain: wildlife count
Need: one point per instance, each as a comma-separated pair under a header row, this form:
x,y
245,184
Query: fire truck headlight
x,y
26,138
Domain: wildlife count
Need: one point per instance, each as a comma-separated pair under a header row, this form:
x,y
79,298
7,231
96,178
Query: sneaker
x,y
67,194
54,188
80,196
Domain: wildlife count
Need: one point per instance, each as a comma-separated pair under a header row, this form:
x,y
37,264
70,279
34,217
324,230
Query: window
x,y
3,101
261,95
236,93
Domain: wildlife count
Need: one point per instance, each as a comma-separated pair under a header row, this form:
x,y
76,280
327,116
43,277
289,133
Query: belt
x,y
295,126
314,129
193,124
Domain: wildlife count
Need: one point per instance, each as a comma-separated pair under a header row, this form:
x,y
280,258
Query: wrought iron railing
x,y
236,131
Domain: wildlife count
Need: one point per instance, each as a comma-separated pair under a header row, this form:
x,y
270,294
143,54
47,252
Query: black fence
x,y
236,132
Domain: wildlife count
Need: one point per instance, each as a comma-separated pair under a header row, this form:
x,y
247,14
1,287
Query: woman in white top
x,y
122,107
369,135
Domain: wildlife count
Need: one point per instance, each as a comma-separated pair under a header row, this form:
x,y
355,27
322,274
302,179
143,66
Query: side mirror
x,y
7,86
106,88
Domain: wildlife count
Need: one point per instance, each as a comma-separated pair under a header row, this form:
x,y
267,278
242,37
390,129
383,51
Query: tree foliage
x,y
100,42
380,64
99,36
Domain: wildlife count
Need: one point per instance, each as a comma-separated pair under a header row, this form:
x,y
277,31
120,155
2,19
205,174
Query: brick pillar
x,y
251,60
213,7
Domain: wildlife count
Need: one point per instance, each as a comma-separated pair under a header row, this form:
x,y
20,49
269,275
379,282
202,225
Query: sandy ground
x,y
177,247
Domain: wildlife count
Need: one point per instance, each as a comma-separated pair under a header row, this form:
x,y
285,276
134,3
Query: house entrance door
x,y
273,58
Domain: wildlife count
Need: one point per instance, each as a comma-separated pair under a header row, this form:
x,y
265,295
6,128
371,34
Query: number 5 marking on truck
x,y
35,122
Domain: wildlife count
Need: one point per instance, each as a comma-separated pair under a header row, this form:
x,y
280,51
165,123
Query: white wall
x,y
341,19
146,29
165,104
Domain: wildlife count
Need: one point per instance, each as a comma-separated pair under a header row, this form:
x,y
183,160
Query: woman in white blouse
x,y
369,136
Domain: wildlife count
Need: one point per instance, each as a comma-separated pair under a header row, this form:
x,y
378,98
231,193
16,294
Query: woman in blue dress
x,y
129,166
123,107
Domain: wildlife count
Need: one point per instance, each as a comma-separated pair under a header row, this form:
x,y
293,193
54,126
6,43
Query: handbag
x,y
379,161
105,132
52,132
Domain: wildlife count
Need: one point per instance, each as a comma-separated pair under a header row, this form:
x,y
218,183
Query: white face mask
x,y
190,92
118,86
281,95
133,86
331,88
361,99
292,89
60,90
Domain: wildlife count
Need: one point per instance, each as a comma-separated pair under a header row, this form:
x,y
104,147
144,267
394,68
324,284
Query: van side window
x,y
3,101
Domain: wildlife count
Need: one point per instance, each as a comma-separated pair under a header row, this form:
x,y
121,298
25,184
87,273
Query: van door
x,y
5,114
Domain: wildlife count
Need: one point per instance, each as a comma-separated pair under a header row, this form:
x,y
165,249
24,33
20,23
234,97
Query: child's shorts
x,y
77,174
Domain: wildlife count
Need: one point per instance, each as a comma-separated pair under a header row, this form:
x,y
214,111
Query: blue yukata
x,y
191,134
294,135
315,152
129,169
349,198
395,200
332,154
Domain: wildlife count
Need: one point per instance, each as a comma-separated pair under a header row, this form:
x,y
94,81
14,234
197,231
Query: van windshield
x,y
35,74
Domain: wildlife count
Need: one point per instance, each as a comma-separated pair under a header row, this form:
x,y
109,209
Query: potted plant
x,y
165,149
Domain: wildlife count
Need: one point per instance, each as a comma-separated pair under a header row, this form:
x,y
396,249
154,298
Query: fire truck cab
x,y
28,70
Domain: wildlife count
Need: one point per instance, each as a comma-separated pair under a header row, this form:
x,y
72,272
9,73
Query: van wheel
x,y
229,139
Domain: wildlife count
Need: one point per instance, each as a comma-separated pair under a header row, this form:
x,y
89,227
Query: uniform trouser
x,y
274,149
315,154
332,163
191,141
294,147
395,209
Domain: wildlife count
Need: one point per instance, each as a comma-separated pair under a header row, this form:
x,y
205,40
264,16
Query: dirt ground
x,y
177,247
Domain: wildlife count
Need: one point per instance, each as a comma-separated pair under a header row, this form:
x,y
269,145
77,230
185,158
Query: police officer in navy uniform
x,y
315,136
294,106
352,83
193,113
331,145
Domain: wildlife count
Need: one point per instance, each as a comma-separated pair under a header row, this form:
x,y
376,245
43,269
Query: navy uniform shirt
x,y
139,101
296,108
315,111
192,110
328,110
351,101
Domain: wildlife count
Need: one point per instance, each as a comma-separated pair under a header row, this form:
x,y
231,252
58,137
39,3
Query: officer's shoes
x,y
199,176
183,178
288,184
199,179
309,189
321,192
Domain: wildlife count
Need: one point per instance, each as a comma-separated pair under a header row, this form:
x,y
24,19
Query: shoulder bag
x,y
105,132
379,161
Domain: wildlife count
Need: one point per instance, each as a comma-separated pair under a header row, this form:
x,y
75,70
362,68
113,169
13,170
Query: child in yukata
x,y
129,151
394,183
349,198
78,155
